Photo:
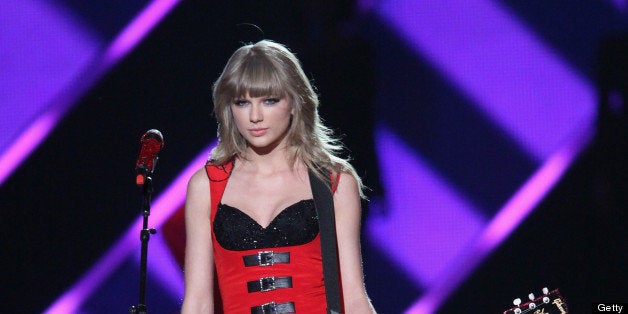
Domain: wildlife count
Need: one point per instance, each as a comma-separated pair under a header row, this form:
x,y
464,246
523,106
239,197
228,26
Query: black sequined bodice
x,y
297,224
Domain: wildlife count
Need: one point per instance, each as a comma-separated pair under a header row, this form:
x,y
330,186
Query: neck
x,y
272,161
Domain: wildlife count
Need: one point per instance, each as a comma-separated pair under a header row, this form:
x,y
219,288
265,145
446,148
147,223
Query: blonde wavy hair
x,y
269,68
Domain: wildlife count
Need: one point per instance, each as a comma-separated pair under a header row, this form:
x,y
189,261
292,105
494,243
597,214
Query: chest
x,y
295,225
263,198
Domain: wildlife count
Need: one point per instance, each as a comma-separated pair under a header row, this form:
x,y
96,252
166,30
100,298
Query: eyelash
x,y
240,103
271,101
268,101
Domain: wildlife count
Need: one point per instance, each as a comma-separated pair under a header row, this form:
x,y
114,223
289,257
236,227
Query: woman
x,y
261,200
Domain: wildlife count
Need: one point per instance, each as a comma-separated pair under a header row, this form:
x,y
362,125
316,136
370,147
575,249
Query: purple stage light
x,y
44,50
517,81
426,223
25,144
621,5
162,208
162,265
136,30
71,69
493,59
507,219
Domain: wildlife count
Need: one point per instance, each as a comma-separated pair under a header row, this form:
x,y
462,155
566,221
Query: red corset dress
x,y
277,269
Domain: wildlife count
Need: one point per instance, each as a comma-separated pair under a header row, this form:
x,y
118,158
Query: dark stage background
x,y
380,83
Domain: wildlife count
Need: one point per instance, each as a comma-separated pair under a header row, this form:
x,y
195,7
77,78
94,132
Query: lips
x,y
258,132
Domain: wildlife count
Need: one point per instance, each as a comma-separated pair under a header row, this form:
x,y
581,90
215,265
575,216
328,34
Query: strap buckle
x,y
265,258
269,308
267,283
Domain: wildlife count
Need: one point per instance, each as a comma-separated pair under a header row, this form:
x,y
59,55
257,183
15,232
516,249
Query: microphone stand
x,y
147,191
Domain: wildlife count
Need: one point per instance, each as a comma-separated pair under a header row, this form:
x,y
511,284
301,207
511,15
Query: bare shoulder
x,y
198,190
346,185
199,178
347,194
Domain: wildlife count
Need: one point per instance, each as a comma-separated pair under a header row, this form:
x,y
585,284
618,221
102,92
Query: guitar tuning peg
x,y
531,296
546,300
517,302
545,290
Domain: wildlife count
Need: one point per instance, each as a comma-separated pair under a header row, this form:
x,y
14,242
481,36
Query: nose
x,y
256,115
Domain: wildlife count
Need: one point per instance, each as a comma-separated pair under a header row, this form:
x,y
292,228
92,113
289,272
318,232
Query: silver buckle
x,y
267,284
265,258
269,308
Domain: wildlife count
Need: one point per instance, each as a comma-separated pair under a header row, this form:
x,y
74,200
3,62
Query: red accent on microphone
x,y
152,142
139,179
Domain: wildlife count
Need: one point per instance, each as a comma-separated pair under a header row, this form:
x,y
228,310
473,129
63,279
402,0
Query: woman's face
x,y
262,121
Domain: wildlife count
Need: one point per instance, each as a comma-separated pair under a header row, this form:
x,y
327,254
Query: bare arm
x,y
199,259
348,214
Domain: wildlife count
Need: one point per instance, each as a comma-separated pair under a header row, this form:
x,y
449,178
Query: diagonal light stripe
x,y
135,31
161,209
163,266
426,223
43,49
511,75
26,143
518,207
32,136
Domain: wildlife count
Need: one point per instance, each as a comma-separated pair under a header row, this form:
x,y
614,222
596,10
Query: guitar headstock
x,y
550,302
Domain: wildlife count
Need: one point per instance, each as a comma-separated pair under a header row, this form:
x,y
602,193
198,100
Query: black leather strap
x,y
269,283
266,258
274,308
324,203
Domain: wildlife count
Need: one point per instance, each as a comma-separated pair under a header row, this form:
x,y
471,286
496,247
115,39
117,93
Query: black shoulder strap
x,y
324,204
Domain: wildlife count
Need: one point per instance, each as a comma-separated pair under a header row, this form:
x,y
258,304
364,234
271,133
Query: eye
x,y
271,100
240,102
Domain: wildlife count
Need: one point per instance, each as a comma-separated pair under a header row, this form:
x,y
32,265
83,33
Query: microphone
x,y
152,142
